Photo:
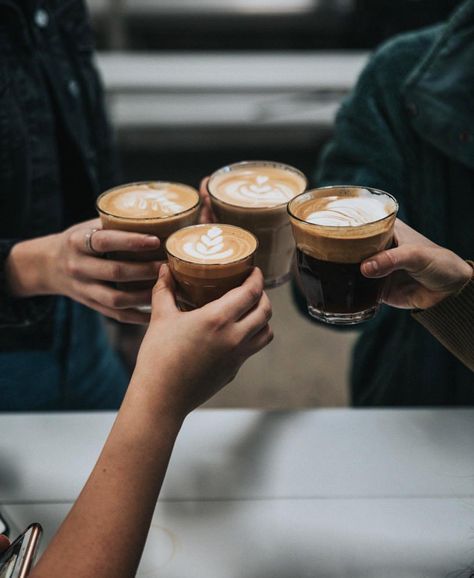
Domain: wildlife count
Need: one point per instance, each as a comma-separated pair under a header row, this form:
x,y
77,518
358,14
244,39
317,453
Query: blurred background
x,y
195,84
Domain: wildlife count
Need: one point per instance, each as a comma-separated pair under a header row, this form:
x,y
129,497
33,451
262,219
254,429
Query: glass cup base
x,y
342,318
273,283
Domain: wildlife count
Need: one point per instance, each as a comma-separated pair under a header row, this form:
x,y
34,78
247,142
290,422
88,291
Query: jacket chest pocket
x,y
14,159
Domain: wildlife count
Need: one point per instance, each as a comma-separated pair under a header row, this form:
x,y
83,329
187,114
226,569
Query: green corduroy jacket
x,y
408,128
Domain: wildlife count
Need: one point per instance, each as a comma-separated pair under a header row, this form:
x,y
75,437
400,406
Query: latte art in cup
x,y
148,200
209,260
349,211
210,247
257,190
336,228
150,208
254,195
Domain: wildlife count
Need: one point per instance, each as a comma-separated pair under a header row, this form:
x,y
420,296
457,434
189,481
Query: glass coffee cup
x,y
254,195
335,229
152,208
207,261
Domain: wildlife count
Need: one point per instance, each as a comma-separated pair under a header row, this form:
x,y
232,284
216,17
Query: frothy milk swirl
x,y
258,189
163,201
349,212
209,247
153,200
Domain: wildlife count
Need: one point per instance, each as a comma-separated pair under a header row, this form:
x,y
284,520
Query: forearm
x,y
26,267
104,534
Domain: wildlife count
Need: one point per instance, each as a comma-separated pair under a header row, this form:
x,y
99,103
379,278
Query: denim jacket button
x,y
41,18
73,88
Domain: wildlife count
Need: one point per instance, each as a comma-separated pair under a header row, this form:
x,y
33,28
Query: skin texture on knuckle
x,y
116,271
73,239
253,293
115,300
72,267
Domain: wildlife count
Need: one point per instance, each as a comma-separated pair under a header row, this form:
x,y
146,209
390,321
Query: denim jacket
x,y
48,87
408,128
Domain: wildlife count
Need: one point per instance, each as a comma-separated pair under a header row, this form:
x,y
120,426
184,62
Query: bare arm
x,y
184,359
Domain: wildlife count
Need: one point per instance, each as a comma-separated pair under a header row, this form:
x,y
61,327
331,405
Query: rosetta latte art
x,y
259,188
209,247
153,201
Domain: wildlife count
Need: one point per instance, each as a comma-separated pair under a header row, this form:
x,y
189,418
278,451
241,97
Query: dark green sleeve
x,y
452,323
369,143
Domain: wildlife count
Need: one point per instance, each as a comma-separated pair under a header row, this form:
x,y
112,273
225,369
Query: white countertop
x,y
356,493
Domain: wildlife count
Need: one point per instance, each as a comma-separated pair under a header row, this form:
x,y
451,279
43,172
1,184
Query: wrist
x,y
147,399
25,269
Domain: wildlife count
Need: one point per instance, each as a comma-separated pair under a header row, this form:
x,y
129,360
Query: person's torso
x,y
54,137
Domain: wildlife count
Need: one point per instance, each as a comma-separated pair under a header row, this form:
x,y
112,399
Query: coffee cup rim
x,y
199,225
344,227
275,164
102,211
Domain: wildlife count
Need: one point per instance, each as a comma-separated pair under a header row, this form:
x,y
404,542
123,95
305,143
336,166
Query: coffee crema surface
x,y
257,186
151,200
211,244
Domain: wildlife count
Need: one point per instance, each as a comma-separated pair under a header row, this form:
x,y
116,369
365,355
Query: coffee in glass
x,y
152,208
335,229
254,195
206,261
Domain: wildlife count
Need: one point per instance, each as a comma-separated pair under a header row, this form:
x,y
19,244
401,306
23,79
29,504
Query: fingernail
x,y
372,267
151,240
162,271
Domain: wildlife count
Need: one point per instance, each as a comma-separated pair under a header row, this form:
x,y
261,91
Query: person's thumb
x,y
163,300
410,258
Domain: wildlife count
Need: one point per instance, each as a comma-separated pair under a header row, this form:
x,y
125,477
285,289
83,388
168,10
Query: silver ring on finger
x,y
88,243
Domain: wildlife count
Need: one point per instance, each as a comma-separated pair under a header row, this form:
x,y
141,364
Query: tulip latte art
x,y
209,260
210,246
213,244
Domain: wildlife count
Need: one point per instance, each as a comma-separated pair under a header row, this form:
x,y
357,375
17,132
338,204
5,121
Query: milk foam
x,y
349,212
209,247
258,190
153,201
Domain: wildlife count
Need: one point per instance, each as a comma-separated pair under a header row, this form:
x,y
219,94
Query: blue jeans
x,y
80,372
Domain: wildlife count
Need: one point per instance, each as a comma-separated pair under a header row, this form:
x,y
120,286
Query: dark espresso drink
x,y
336,228
206,261
254,195
336,287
